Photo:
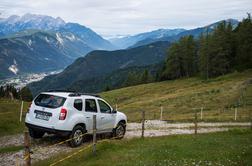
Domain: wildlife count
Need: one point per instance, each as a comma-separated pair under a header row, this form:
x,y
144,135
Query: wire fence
x,y
195,118
28,150
194,122
206,114
142,127
165,115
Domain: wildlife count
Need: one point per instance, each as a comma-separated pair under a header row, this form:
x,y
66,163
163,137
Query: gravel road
x,y
153,128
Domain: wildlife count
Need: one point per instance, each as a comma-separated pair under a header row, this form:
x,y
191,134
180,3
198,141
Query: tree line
x,y
10,92
224,50
216,52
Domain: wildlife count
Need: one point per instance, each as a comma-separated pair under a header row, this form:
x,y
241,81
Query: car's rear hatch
x,y
46,109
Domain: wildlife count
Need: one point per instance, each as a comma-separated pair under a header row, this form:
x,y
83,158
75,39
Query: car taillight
x,y
63,114
28,110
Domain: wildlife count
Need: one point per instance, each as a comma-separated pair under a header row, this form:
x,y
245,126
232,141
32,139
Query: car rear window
x,y
50,101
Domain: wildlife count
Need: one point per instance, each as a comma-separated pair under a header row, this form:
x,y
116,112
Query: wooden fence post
x,y
250,116
143,120
251,122
235,116
161,113
21,111
196,123
27,149
17,160
201,113
94,135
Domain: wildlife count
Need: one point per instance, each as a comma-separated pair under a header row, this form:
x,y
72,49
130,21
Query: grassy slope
x,y
180,97
9,117
226,148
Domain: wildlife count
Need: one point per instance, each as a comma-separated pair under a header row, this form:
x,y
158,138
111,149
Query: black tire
x,y
119,131
36,133
77,136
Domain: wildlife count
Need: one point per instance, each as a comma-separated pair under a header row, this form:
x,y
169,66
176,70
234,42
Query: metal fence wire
x,y
195,125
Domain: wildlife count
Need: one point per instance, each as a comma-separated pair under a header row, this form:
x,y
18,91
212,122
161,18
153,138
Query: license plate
x,y
43,117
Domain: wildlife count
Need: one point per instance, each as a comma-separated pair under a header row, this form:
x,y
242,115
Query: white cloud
x,y
113,17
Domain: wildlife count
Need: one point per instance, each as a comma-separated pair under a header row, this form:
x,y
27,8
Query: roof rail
x,y
60,90
79,94
91,94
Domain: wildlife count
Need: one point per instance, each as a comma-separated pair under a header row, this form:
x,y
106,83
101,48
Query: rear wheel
x,y
36,134
77,136
119,131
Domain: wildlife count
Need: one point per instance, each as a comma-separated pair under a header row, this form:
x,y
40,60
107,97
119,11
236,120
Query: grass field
x,y
181,98
225,148
178,98
9,117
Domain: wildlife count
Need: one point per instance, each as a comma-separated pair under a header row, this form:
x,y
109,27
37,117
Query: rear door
x,y
90,110
107,119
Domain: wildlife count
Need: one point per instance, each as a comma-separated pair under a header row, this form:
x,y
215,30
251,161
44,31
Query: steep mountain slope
x,y
42,40
194,32
15,24
36,51
98,64
128,41
90,37
114,80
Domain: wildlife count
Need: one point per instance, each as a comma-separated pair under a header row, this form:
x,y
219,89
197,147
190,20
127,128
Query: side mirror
x,y
114,111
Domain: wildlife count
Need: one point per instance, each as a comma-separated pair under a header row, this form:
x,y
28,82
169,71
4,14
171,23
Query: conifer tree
x,y
243,43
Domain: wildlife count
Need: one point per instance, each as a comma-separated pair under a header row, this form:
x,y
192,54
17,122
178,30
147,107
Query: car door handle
x,y
102,117
87,117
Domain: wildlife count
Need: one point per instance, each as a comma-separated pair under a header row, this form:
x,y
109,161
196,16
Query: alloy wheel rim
x,y
78,136
120,131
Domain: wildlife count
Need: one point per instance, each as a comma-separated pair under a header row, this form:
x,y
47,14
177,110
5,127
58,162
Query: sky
x,y
127,17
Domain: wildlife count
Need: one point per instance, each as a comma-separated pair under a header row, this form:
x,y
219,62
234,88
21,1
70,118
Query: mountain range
x,y
170,35
37,43
127,41
39,51
96,70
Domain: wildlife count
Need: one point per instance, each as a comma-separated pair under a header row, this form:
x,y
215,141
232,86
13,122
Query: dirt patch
x,y
157,124
7,159
11,140
162,132
40,149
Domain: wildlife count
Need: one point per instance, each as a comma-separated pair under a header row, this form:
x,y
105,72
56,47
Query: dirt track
x,y
153,128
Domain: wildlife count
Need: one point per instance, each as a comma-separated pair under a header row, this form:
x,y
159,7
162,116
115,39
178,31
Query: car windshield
x,y
50,101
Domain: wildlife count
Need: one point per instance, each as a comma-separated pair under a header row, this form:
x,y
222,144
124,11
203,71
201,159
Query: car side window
x,y
78,104
90,105
104,108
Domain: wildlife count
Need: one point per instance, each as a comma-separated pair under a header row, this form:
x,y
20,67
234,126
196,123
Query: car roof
x,y
71,94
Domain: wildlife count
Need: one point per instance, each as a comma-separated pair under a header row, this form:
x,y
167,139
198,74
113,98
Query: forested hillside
x,y
217,53
92,72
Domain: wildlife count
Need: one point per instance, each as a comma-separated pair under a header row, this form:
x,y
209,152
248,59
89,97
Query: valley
x,y
21,81
46,44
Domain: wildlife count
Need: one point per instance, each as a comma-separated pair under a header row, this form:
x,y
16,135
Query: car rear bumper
x,y
48,130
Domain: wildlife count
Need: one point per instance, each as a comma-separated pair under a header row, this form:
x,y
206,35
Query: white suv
x,y
71,114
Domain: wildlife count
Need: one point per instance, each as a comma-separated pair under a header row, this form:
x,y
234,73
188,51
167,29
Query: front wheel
x,y
119,131
77,136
